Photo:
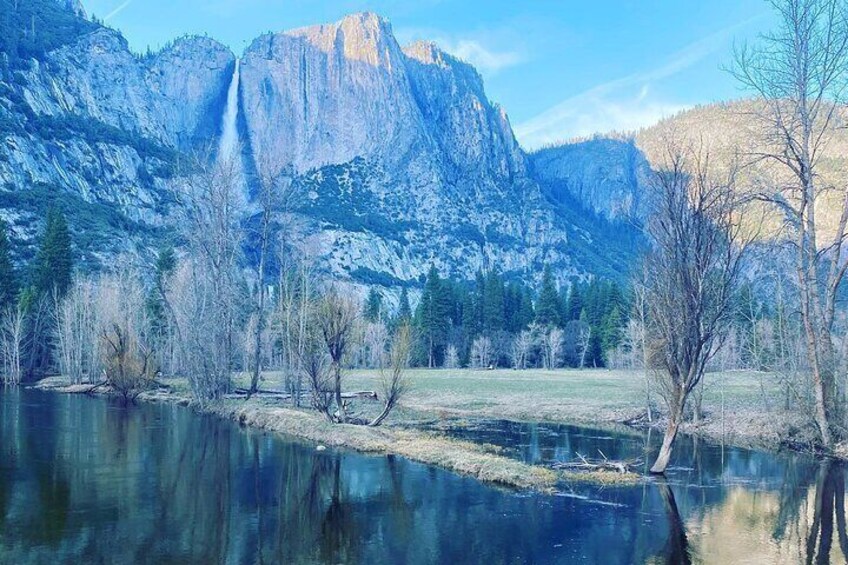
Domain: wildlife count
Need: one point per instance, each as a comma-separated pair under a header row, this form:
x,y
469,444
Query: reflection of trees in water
x,y
828,511
676,548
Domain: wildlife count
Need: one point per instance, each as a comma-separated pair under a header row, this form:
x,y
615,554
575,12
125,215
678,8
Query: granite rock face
x,y
607,175
97,128
404,134
401,159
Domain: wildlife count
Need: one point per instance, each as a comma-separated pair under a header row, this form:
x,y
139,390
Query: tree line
x,y
490,322
27,296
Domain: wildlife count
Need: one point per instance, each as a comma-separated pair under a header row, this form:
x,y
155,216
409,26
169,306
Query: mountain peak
x,y
74,6
364,37
428,52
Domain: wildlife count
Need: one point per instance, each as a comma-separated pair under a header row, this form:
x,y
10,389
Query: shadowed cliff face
x,y
97,129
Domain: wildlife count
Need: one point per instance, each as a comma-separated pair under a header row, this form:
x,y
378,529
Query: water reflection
x,y
83,480
676,549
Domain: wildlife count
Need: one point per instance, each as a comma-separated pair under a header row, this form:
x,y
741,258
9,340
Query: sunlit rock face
x,y
406,135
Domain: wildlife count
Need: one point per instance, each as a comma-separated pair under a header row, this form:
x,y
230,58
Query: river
x,y
87,480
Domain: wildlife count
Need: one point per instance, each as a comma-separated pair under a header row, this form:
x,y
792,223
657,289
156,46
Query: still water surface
x,y
85,480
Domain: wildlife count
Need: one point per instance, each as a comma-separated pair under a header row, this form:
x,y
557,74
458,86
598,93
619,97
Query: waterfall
x,y
228,146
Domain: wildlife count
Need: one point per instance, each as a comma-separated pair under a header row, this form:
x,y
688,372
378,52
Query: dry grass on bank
x,y
481,462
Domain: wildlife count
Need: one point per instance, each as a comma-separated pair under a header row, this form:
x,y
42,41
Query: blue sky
x,y
561,68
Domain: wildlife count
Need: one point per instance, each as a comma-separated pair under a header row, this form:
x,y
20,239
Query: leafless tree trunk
x,y
274,196
205,292
584,340
799,74
640,338
481,353
451,358
76,332
12,335
692,269
393,382
552,348
376,340
521,347
338,317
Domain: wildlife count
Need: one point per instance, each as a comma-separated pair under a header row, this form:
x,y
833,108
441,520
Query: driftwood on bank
x,y
282,395
585,465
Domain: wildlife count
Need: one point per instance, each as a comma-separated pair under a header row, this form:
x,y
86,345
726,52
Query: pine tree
x,y
166,263
475,328
404,313
575,303
8,279
493,304
525,314
433,316
53,263
547,307
374,305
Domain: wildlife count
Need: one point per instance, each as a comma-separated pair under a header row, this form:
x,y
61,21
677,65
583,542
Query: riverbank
x,y
741,408
482,462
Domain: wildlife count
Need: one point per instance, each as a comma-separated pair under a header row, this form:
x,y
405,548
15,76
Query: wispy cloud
x,y
480,48
123,6
487,61
623,104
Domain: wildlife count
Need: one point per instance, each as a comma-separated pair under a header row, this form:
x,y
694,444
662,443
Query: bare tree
x,y
125,334
314,362
12,342
522,345
272,200
76,332
393,380
552,343
451,357
376,340
205,292
692,268
337,318
481,353
639,333
800,73
584,339
294,307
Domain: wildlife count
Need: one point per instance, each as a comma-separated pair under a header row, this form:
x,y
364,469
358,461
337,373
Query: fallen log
x,y
280,395
586,465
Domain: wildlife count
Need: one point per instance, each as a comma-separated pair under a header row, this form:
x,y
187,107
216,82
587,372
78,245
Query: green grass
x,y
565,395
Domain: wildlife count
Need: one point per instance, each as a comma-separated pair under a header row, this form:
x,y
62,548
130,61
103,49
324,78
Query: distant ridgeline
x,y
427,174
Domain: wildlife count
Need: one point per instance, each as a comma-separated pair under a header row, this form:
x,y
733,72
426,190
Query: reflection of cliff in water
x,y
79,474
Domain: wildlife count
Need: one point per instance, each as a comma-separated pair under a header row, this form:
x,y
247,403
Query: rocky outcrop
x,y
608,176
96,129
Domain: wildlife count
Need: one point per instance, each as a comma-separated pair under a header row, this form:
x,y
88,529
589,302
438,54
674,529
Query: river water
x,y
86,480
